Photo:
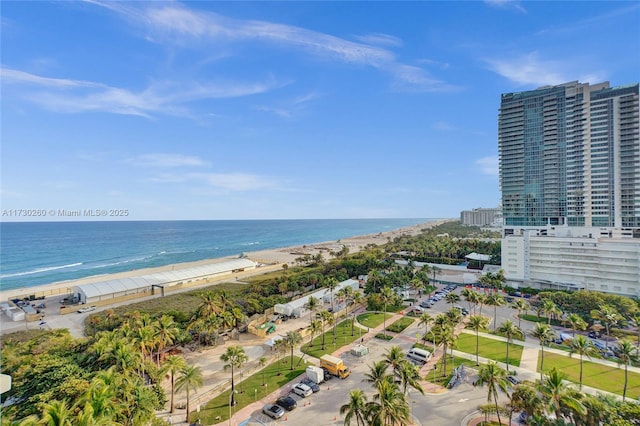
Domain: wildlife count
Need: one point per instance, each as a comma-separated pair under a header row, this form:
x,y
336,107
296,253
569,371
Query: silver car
x,y
274,411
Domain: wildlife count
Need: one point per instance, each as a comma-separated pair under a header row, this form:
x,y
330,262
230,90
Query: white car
x,y
302,390
86,309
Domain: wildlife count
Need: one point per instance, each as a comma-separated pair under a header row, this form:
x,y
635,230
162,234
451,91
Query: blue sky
x,y
241,110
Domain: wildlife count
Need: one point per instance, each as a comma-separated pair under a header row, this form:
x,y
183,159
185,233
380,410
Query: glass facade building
x,y
570,155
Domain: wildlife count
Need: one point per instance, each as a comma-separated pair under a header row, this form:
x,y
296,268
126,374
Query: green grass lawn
x,y
490,348
610,379
343,337
372,319
535,318
400,324
250,390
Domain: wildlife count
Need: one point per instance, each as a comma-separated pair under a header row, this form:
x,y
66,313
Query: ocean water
x,y
36,253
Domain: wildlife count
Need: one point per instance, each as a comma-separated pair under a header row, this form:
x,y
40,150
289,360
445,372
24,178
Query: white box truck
x,y
315,374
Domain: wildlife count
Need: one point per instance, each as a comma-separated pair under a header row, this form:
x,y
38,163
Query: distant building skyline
x,y
482,216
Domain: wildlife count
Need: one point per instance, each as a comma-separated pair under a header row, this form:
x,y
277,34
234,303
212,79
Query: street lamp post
x,y
230,397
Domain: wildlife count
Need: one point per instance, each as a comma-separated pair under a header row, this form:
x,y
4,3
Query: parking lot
x,y
322,408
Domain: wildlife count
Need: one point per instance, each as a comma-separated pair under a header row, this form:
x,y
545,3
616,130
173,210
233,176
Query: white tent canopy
x,y
110,289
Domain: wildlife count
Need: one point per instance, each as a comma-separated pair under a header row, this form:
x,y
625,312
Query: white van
x,y
420,355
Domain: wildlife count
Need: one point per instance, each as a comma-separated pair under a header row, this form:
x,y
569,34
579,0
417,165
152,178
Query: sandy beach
x,y
276,256
271,259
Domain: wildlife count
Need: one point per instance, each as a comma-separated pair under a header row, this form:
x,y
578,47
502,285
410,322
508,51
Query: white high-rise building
x,y
570,181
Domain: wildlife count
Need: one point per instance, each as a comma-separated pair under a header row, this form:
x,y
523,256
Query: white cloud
x,y
231,182
442,125
236,181
531,70
488,165
507,4
73,96
167,160
380,39
179,25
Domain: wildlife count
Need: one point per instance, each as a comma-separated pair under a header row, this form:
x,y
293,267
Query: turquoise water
x,y
45,252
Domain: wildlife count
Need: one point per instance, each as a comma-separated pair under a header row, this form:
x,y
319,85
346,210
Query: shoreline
x,y
279,255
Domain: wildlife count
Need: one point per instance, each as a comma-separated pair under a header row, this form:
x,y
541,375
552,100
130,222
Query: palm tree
x,y
409,376
628,353
525,397
235,356
609,316
387,296
581,346
544,334
577,323
174,364
326,317
312,305
509,329
190,379
166,333
471,296
557,396
549,308
57,413
521,306
495,300
377,373
390,406
394,358
477,323
314,328
426,320
331,283
355,408
358,298
292,338
496,380
452,298
444,332
262,362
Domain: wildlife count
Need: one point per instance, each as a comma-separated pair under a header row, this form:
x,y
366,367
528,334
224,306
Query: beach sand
x,y
277,256
52,317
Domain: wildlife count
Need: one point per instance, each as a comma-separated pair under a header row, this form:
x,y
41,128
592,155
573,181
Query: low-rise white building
x,y
121,287
561,257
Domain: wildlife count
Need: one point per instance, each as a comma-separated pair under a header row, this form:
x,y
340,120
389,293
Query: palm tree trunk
x,y
384,320
233,398
495,398
187,415
581,371
172,392
477,346
507,363
541,361
624,391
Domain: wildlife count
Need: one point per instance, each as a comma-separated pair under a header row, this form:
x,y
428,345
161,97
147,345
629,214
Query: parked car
x,y
595,334
302,390
313,385
273,410
86,309
514,380
425,304
522,418
287,403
